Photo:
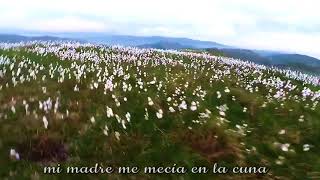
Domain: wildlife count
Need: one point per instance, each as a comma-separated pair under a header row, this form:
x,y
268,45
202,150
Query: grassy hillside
x,y
77,105
297,62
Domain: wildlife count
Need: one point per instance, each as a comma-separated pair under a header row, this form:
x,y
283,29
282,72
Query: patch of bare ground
x,y
210,145
44,149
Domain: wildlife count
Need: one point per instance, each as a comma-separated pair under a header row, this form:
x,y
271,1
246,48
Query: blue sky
x,y
288,25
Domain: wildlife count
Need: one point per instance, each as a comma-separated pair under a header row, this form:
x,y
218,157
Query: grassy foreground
x,y
78,105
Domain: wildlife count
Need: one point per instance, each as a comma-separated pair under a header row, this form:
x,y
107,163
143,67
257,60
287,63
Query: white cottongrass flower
x,y
218,94
118,118
45,122
109,85
11,66
152,82
92,119
13,109
117,135
150,102
205,114
281,132
117,103
109,112
193,106
105,130
280,160
222,113
306,147
17,156
301,118
183,105
285,147
56,105
279,94
128,116
159,114
40,105
95,85
306,92
171,109
123,124
14,154
146,115
244,109
26,107
169,99
222,109
227,90
44,90
76,88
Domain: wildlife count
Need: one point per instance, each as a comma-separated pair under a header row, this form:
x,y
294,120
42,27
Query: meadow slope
x,y
79,104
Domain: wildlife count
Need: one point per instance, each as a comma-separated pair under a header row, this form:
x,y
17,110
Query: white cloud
x,y
271,24
292,42
67,24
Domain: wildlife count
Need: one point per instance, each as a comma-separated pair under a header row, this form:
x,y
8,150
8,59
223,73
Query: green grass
x,y
242,139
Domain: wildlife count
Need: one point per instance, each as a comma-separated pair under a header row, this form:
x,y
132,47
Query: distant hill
x,y
142,41
293,58
166,45
272,58
266,53
11,38
296,61
245,54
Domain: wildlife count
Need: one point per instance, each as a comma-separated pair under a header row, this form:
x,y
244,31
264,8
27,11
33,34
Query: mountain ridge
x,y
14,38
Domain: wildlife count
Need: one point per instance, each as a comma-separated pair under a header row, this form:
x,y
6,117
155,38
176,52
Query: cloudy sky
x,y
290,25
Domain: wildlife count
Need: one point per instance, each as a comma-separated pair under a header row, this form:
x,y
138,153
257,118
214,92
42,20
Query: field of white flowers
x,y
81,104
